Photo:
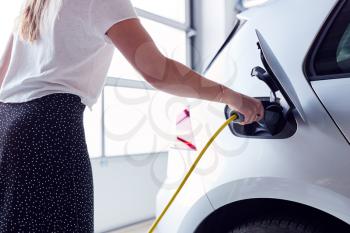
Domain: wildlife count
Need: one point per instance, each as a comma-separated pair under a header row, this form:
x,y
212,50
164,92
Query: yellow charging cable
x,y
234,117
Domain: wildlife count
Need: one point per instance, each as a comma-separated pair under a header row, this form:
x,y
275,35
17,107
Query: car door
x,y
328,67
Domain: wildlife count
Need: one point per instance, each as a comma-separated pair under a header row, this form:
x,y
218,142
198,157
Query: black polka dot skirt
x,y
46,182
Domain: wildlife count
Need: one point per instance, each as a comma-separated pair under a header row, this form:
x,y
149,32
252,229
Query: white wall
x,y
213,21
8,12
125,189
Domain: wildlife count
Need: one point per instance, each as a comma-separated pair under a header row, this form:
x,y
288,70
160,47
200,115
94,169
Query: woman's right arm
x,y
170,76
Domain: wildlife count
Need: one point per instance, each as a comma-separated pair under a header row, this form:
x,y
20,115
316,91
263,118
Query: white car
x,y
291,173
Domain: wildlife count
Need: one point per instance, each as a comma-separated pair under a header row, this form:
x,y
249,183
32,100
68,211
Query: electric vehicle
x,y
290,172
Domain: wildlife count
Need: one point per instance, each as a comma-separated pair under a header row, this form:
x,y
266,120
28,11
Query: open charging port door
x,y
279,121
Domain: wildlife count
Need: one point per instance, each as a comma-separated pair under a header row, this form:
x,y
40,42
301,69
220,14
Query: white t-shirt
x,y
72,55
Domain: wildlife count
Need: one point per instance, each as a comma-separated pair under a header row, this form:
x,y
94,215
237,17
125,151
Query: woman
x,y
54,66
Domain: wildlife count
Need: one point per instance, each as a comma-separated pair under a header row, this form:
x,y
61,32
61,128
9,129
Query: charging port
x,y
278,122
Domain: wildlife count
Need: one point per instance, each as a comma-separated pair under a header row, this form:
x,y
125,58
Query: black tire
x,y
277,225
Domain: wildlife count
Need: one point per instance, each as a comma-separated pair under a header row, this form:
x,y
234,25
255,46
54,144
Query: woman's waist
x,y
47,105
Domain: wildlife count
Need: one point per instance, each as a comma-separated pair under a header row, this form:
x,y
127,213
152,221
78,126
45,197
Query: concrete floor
x,y
137,228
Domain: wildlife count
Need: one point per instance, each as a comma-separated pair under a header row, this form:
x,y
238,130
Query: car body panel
x,y
335,95
192,199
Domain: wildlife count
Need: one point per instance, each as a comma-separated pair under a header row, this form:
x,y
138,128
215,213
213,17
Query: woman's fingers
x,y
257,114
248,118
251,108
261,113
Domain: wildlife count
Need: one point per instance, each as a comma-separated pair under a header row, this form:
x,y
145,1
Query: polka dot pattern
x,y
46,182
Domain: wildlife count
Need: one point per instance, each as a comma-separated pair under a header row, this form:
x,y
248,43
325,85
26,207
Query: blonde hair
x,y
33,15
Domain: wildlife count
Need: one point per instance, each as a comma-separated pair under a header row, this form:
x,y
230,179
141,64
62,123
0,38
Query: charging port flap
x,y
275,69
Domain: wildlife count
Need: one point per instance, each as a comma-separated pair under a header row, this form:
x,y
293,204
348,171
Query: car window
x,y
343,52
333,56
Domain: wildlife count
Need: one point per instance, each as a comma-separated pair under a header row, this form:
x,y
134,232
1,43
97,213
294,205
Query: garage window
x,y
131,117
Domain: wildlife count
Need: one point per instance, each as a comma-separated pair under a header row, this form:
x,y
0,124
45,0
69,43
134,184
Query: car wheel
x,y
277,225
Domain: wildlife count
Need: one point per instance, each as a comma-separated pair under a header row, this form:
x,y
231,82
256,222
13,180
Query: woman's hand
x,y
251,108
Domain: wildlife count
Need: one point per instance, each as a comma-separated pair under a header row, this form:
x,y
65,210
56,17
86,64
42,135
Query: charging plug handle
x,y
240,116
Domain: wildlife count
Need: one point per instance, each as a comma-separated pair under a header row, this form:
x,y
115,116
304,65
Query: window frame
x,y
309,63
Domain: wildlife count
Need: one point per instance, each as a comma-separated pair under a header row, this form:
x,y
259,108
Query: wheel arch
x,y
236,213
